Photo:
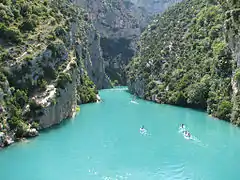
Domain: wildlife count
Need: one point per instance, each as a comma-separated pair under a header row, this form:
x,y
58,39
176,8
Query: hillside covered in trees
x,y
47,51
188,58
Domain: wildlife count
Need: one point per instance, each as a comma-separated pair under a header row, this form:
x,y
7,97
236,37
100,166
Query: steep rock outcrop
x,y
232,26
50,54
119,24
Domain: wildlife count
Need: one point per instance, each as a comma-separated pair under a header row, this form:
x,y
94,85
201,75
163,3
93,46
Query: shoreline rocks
x,y
32,132
5,140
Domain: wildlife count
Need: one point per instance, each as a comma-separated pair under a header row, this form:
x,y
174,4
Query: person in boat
x,y
182,126
187,134
142,129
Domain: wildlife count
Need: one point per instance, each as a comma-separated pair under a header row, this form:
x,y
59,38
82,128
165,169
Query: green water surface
x,y
104,143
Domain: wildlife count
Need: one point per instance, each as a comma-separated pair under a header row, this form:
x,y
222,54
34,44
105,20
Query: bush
x,y
63,79
198,94
14,122
2,77
35,125
49,73
42,84
28,58
21,130
60,31
237,75
11,34
224,110
178,98
28,25
78,109
21,97
34,106
51,37
87,90
26,9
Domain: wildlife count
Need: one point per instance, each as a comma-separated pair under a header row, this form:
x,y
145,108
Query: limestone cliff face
x,y
232,26
136,87
44,76
62,105
61,101
96,67
119,24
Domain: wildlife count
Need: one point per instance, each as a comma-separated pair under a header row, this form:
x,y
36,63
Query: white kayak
x,y
134,102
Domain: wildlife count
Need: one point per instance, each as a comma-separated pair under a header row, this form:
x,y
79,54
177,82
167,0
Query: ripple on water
x,y
103,142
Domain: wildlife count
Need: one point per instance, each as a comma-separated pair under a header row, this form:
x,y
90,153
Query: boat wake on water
x,y
193,138
198,142
134,102
144,132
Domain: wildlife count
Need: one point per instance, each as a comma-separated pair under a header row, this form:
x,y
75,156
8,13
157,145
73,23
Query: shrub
x,y
34,106
35,125
87,90
51,37
26,9
42,84
49,73
198,94
63,79
21,97
10,34
60,31
28,58
2,77
78,109
237,75
28,25
224,110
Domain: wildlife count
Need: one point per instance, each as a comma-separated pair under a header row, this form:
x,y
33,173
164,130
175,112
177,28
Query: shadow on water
x,y
56,126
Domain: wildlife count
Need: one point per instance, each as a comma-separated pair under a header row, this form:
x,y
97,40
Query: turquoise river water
x,y
103,142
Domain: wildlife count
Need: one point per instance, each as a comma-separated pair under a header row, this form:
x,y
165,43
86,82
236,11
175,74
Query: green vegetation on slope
x,y
36,52
87,90
185,60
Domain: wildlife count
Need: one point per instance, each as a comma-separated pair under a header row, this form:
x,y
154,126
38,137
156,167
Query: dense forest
x,y
186,59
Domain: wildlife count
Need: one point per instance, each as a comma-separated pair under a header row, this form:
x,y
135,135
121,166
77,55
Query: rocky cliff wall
x,y
48,64
232,34
120,24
